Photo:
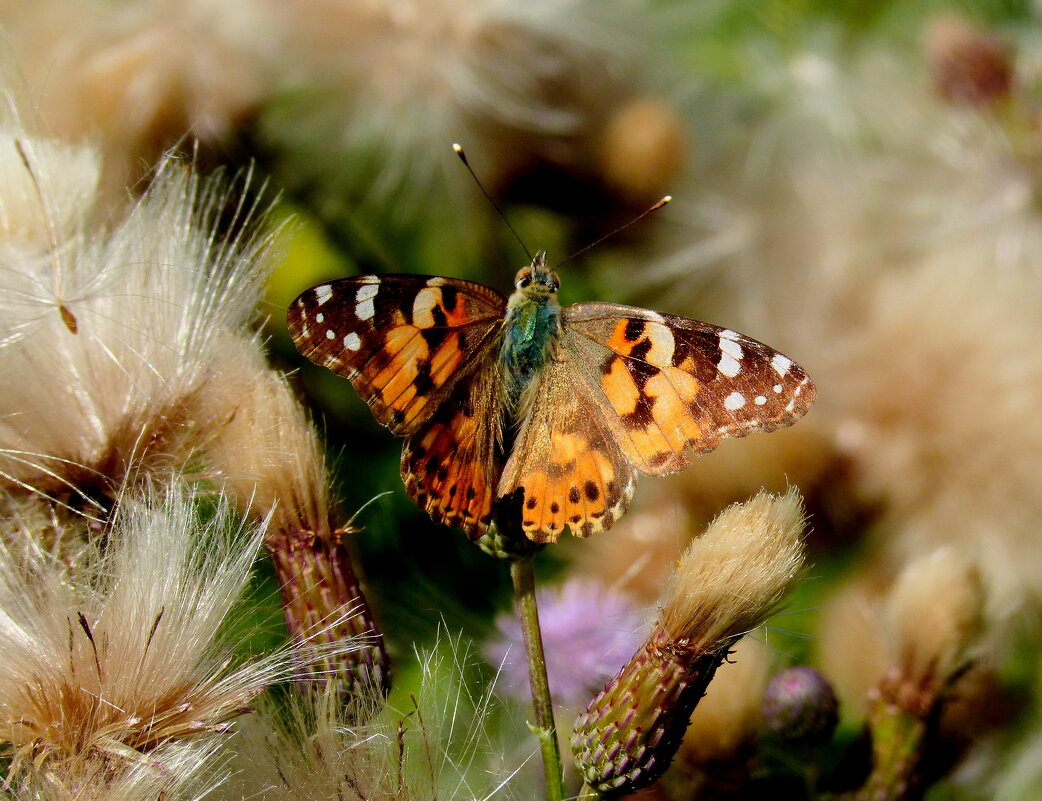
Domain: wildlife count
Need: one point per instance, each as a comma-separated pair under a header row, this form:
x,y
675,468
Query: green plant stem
x,y
523,575
897,744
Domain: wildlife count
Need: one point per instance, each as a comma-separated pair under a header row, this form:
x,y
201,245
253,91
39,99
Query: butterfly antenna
x,y
623,227
488,197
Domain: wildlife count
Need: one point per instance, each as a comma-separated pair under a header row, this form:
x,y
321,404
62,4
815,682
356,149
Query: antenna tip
x,y
667,199
457,147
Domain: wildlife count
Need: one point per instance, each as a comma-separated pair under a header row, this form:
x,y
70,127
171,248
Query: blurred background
x,y
855,183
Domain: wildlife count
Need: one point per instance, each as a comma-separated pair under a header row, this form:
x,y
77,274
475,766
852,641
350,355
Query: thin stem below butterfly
x,y
523,576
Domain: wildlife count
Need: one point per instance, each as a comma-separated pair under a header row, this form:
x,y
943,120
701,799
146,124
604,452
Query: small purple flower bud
x,y
799,705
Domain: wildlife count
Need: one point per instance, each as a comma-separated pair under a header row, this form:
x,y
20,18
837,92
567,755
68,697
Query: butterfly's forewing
x,y
671,387
403,341
566,467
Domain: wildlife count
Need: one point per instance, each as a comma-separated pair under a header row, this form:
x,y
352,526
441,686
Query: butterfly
x,y
538,417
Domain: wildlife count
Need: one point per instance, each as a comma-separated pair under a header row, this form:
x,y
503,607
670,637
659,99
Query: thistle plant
x,y
126,352
855,183
728,582
269,459
117,674
933,620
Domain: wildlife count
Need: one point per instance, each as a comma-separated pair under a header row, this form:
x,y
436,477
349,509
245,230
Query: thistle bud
x,y
933,617
627,736
728,582
799,706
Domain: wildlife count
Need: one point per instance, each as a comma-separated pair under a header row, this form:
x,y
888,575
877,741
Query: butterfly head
x,y
537,280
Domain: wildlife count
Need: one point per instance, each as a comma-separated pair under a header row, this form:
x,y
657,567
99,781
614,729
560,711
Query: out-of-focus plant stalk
x,y
898,738
934,616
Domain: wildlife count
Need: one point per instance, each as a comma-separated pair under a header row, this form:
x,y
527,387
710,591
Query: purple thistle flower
x,y
589,633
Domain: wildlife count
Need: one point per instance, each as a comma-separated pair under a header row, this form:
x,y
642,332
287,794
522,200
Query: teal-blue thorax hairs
x,y
531,327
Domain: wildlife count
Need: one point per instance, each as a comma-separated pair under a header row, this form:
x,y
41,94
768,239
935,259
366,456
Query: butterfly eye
x,y
524,281
555,284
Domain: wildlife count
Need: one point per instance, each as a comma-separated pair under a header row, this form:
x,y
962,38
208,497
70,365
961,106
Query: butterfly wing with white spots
x,y
671,387
404,341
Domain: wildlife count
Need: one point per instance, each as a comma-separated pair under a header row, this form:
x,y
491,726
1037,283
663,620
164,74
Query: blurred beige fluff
x,y
515,83
107,335
933,618
918,631
888,242
640,555
117,678
939,421
850,644
138,77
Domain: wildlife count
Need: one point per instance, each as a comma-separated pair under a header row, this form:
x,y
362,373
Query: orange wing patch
x,y
408,372
565,469
656,402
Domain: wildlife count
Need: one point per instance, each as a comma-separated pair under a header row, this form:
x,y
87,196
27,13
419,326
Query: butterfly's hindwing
x,y
449,465
403,341
672,387
566,468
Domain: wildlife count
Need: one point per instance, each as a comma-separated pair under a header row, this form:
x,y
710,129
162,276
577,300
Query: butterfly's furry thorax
x,y
531,328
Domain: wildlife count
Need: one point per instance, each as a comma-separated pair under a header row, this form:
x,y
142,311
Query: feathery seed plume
x,y
528,85
108,670
440,746
107,336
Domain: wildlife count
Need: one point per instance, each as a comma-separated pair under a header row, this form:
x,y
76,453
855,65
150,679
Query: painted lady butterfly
x,y
524,412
